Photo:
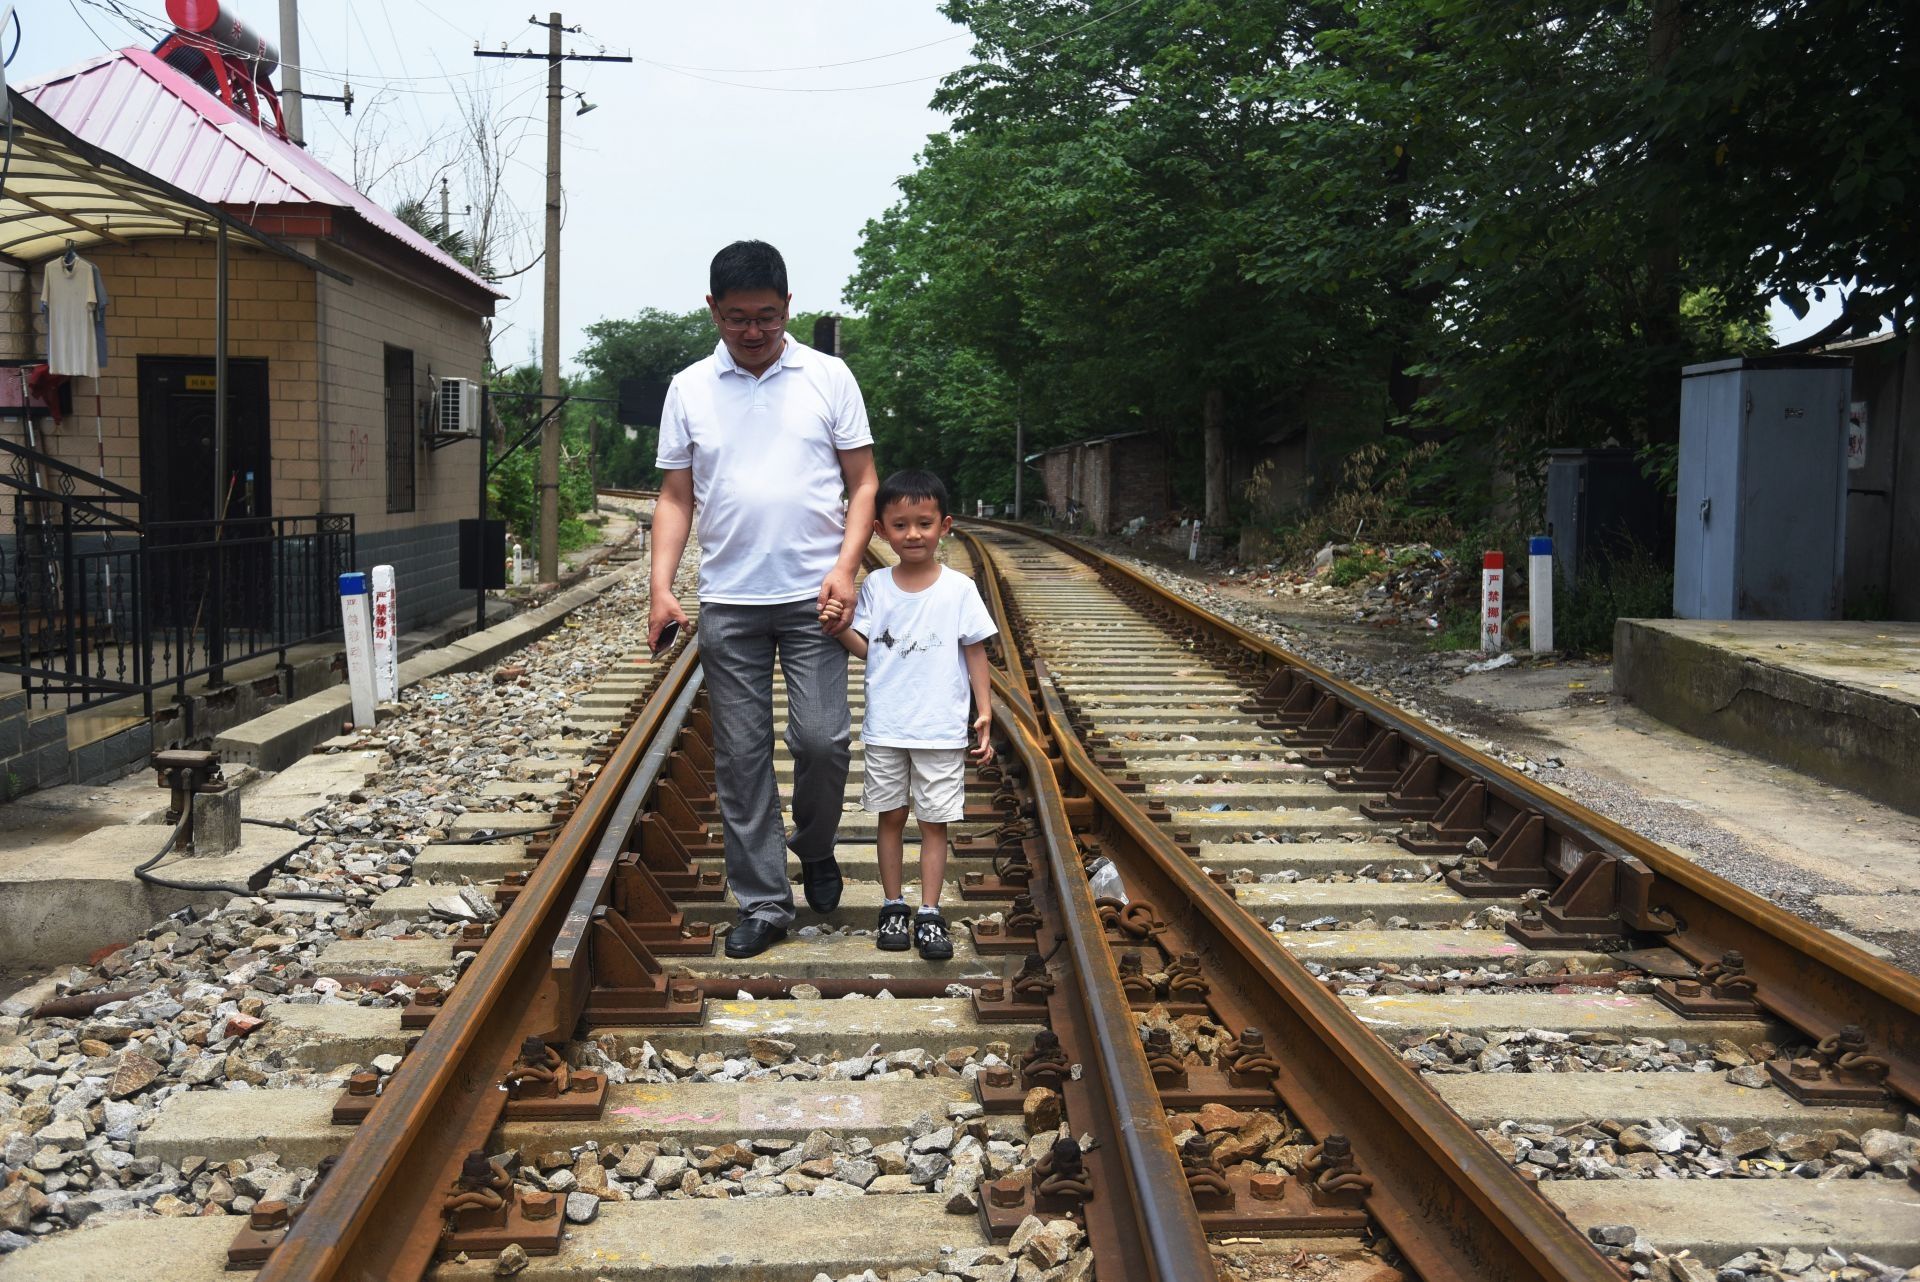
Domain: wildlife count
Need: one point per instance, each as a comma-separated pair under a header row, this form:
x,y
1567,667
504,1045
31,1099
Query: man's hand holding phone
x,y
665,618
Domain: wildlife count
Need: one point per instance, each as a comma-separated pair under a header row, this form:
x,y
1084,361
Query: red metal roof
x,y
134,105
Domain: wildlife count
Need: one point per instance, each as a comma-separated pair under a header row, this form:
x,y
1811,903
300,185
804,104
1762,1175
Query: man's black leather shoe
x,y
823,882
752,936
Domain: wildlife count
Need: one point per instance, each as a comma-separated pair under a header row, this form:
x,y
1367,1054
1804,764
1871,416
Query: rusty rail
x,y
1157,1226
1805,976
378,1215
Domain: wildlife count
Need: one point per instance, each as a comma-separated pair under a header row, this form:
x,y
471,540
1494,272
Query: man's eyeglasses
x,y
740,324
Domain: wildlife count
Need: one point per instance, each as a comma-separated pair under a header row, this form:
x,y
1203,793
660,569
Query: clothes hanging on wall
x,y
69,297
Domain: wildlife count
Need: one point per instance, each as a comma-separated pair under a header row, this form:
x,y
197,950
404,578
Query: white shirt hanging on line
x,y
68,297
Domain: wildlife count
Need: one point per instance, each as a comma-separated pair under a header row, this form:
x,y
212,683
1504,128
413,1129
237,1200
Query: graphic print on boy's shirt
x,y
917,685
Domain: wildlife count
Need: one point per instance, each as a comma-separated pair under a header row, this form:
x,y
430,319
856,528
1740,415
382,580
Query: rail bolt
x,y
993,991
1008,1191
538,1204
428,995
1686,987
1806,1070
984,927
1267,1186
268,1216
363,1083
997,1075
685,994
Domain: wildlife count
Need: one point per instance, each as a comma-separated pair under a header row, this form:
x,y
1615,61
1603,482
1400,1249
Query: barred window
x,y
401,430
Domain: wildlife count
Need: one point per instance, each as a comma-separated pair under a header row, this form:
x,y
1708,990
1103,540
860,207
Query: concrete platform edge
x,y
1829,729
281,737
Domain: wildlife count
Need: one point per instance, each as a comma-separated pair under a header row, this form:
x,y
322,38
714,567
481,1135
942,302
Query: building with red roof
x,y
334,374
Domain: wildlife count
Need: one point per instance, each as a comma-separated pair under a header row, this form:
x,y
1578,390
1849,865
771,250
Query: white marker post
x,y
357,625
1540,594
1493,575
517,565
386,636
1193,543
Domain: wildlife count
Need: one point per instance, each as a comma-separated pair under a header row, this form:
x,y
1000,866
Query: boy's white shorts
x,y
936,777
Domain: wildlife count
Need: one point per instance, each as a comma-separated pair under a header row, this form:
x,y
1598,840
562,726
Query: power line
x,y
886,84
814,66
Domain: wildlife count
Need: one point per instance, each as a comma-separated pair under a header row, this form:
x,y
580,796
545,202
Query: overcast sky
x,y
668,167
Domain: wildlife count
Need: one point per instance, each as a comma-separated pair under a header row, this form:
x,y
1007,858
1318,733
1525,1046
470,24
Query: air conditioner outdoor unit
x,y
458,411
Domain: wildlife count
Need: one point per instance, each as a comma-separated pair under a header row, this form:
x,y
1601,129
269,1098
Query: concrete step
x,y
1280,793
374,955
483,823
848,957
297,1123
691,1240
1623,1015
1310,858
328,1036
1351,900
488,861
1429,949
1344,819
1719,1219
525,789
1692,1099
779,1239
859,907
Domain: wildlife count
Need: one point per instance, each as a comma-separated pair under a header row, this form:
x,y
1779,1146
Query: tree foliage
x,y
1504,227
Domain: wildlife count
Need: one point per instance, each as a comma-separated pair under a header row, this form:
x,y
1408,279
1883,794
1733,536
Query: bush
x,y
1634,586
1350,569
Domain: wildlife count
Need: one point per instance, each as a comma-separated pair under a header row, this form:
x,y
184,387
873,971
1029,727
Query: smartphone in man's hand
x,y
668,635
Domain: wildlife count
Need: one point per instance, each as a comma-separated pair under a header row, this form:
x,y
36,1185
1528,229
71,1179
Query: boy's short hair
x,y
910,486
744,265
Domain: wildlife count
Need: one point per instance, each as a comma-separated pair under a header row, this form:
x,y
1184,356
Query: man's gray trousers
x,y
738,644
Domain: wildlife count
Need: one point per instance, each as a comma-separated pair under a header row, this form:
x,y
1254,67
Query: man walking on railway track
x,y
763,436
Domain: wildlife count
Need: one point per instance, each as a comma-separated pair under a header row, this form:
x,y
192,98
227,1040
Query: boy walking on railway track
x,y
922,629
764,435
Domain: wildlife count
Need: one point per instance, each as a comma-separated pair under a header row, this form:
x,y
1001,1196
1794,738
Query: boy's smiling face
x,y
913,529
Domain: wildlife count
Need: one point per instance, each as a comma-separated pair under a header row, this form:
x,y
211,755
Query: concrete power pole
x,y
290,71
549,482
550,325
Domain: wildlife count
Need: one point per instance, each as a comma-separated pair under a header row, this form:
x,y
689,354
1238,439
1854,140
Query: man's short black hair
x,y
910,486
744,265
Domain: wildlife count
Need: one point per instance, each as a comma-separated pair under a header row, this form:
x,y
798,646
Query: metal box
x,y
1760,529
1600,506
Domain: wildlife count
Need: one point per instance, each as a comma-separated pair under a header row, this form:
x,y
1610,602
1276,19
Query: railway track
x,y
1451,931
1307,1036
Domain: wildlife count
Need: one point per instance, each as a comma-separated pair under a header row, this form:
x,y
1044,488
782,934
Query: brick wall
x,y
1113,481
161,294
358,321
1139,478
324,343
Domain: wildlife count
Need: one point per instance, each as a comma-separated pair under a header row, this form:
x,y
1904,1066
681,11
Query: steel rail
x,y
1158,1224
1807,977
377,1216
1164,1231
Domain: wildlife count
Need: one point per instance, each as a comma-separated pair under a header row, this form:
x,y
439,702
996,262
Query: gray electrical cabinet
x,y
1760,524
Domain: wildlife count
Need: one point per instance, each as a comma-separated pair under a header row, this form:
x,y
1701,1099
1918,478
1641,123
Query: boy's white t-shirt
x,y
917,688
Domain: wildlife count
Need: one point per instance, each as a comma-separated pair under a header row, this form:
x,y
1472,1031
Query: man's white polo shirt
x,y
766,475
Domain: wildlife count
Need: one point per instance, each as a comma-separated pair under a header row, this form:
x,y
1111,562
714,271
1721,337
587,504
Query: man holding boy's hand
x,y
764,435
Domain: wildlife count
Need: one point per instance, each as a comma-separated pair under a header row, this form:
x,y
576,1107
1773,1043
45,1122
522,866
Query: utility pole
x,y
1019,458
549,483
446,221
290,71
